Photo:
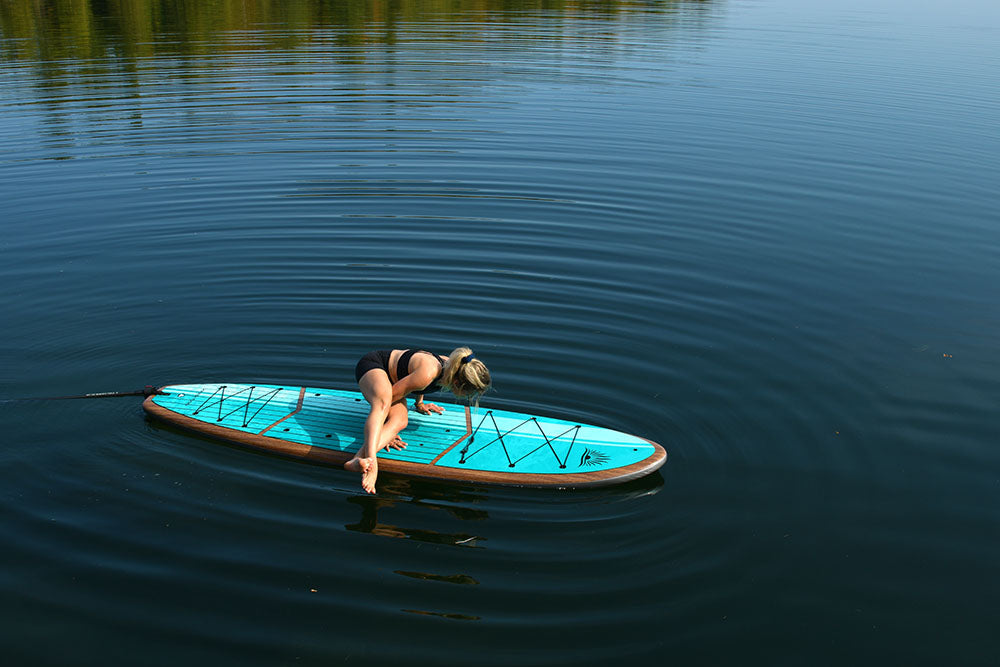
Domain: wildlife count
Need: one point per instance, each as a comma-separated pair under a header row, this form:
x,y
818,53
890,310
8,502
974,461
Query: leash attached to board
x,y
148,390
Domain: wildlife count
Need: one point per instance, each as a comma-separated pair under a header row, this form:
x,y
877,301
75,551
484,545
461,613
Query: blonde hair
x,y
465,377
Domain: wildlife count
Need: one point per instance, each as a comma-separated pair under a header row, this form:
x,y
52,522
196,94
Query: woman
x,y
387,377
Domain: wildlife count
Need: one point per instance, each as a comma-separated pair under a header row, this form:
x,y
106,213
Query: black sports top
x,y
403,369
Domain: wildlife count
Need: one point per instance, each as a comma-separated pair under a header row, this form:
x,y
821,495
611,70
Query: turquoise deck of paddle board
x,y
500,441
510,441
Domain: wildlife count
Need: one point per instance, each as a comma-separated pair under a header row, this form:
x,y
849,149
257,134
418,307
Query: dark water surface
x,y
763,234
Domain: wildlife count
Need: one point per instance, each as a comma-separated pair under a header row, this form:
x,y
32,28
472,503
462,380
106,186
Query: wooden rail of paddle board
x,y
409,469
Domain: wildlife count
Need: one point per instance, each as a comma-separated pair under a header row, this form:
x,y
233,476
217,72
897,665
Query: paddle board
x,y
482,445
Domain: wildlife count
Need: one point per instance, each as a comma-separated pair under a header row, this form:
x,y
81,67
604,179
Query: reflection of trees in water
x,y
110,64
87,29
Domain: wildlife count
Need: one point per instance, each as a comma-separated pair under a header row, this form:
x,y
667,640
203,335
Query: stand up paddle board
x,y
485,445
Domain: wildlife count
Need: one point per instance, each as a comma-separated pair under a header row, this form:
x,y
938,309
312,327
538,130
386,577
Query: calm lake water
x,y
761,233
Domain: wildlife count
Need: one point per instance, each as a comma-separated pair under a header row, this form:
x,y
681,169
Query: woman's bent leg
x,y
394,423
377,390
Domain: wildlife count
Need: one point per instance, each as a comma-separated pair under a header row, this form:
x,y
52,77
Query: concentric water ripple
x,y
761,234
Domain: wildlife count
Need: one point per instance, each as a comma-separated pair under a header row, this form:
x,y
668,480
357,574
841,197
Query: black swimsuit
x,y
376,359
380,359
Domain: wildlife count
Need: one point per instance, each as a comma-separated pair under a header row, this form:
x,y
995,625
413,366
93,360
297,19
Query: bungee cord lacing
x,y
247,418
465,455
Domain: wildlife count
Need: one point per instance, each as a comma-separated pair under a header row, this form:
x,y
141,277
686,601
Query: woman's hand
x,y
427,408
396,443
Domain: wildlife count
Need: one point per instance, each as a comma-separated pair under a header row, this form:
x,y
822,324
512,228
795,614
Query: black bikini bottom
x,y
376,359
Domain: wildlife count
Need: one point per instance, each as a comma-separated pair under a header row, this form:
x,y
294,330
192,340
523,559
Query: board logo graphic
x,y
592,457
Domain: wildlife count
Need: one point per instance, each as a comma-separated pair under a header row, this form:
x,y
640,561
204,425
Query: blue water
x,y
762,234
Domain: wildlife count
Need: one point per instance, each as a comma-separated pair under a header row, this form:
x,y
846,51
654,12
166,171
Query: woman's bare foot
x,y
368,467
358,465
369,475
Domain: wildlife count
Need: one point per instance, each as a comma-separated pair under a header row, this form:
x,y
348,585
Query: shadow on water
x,y
405,508
457,500
370,523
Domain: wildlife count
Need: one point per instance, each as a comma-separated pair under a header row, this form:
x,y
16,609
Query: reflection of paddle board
x,y
490,446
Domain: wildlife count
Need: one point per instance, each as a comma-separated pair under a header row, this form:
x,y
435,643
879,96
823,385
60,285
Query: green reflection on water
x,y
86,29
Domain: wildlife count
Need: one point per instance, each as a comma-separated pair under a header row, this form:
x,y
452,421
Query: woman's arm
x,y
408,385
415,382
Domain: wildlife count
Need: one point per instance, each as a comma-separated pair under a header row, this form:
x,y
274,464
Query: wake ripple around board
x,y
762,234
